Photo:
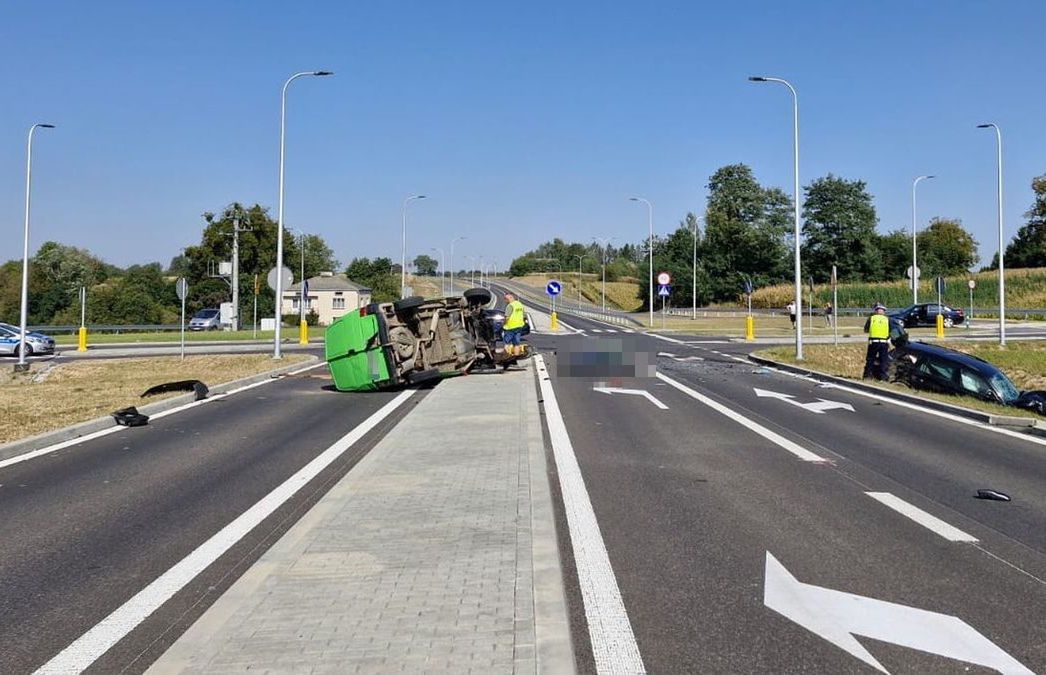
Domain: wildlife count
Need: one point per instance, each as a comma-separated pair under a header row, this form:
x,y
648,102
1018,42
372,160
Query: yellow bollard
x,y
82,342
303,333
555,321
749,327
940,326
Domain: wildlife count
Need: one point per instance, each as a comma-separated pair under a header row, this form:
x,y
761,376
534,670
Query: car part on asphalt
x,y
130,417
199,388
993,495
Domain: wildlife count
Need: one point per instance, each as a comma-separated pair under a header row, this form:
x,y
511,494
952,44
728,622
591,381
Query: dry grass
x,y
54,396
621,294
1023,362
426,287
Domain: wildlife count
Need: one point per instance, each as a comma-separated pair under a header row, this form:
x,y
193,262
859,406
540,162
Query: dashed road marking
x,y
930,522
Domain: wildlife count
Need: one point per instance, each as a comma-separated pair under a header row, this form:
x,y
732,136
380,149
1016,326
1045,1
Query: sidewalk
x,y
437,552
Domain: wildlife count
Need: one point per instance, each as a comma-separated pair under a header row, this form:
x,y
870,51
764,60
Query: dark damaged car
x,y
946,371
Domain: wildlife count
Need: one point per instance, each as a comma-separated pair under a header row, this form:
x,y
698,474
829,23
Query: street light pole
x,y
694,289
605,242
650,277
1002,278
915,278
403,252
795,198
276,354
579,259
456,239
23,313
442,270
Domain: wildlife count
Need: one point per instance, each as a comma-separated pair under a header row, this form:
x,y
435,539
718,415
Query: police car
x,y
35,343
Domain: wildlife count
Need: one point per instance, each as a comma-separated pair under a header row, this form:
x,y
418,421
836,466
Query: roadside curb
x,y
1025,423
25,445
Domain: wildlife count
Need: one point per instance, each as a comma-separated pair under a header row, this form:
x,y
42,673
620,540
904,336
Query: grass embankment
x,y
289,332
52,396
621,295
1025,289
1024,362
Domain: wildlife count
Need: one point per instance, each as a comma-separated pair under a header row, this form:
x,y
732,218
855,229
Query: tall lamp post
x,y
442,270
1002,278
795,199
650,277
455,240
579,259
23,314
403,251
276,353
605,242
915,278
693,291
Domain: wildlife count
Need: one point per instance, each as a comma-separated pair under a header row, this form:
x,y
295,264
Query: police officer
x,y
877,359
512,331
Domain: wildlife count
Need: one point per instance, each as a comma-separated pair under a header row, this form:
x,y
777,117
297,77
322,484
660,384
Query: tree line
x,y
748,233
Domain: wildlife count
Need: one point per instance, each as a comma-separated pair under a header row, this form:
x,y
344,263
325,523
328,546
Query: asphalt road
x,y
708,523
87,527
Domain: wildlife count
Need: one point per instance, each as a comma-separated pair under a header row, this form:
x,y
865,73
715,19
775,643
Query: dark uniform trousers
x,y
877,359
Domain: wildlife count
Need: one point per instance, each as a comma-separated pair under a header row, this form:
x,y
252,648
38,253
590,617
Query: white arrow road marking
x,y
819,406
837,617
634,392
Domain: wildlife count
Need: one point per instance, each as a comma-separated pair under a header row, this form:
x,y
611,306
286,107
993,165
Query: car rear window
x,y
939,369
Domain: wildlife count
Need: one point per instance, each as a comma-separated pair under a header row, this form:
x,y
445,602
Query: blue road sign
x,y
554,288
664,290
748,286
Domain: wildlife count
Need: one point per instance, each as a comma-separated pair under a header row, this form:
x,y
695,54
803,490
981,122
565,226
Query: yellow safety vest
x,y
514,317
878,327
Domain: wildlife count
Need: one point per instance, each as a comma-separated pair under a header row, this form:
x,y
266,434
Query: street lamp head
x,y
322,73
420,197
985,126
46,126
757,78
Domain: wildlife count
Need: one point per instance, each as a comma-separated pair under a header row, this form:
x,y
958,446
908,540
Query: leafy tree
x,y
946,248
839,229
377,275
1028,248
318,256
745,232
896,251
675,254
425,265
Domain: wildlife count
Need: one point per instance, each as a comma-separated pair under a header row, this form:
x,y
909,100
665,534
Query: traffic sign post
x,y
969,318
554,288
663,291
81,344
749,319
835,306
940,302
181,287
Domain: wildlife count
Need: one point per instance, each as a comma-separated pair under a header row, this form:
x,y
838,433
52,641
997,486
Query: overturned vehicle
x,y
415,341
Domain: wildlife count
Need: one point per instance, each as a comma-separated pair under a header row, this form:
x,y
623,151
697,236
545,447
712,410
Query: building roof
x,y
335,282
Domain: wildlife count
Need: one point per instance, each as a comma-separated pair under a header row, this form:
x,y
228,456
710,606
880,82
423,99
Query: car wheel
x,y
948,323
478,296
407,304
430,376
28,350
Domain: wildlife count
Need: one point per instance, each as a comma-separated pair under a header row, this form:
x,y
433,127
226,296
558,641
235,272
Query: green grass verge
x,y
289,333
1023,362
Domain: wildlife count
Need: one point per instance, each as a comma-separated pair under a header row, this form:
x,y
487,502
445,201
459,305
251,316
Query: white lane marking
x,y
164,413
633,392
779,440
597,330
680,358
94,643
930,522
666,338
819,406
614,645
837,617
903,404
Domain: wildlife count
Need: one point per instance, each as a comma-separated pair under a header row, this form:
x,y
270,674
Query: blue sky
x,y
521,121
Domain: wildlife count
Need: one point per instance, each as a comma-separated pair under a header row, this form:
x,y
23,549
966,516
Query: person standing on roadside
x,y
512,331
791,312
877,358
828,317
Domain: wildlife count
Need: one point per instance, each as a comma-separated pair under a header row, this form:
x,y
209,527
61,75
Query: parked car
x,y
946,371
414,341
206,319
35,343
925,314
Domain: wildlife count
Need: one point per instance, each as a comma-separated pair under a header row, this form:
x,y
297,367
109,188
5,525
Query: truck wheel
x,y
423,376
478,296
407,304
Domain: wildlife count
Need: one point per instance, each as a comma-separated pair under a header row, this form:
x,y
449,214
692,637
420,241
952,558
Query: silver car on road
x,y
35,343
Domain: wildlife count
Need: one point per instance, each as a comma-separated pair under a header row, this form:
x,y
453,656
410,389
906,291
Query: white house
x,y
330,295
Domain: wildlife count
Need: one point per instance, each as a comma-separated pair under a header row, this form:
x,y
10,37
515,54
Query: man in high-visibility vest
x,y
512,331
877,358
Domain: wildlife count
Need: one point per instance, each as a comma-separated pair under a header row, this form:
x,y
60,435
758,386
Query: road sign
x,y
909,272
288,278
181,287
664,278
554,288
748,286
971,284
305,289
664,291
837,617
940,285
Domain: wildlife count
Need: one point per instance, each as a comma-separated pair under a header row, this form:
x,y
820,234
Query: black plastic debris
x,y
199,388
993,495
130,417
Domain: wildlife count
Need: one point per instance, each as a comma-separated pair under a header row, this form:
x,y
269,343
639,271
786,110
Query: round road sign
x,y
288,278
664,278
909,272
553,288
972,284
181,287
